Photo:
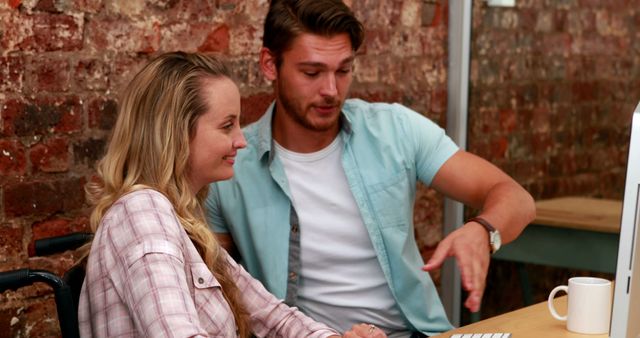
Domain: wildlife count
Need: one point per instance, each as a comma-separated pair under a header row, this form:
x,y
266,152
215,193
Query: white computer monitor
x,y
625,318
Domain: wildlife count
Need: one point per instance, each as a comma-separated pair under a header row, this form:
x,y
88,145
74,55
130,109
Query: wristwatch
x,y
495,241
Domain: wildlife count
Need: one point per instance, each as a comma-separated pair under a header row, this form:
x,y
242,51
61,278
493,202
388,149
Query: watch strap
x,y
482,222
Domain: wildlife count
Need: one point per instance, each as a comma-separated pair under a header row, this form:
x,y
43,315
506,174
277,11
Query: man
x,y
320,208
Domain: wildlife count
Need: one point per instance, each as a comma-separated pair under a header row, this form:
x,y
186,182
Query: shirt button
x,y
293,276
200,280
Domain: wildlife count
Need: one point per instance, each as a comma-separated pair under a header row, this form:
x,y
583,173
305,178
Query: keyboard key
x,y
482,335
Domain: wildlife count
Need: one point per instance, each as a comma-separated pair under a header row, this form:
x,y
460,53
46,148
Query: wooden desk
x,y
570,232
533,321
582,213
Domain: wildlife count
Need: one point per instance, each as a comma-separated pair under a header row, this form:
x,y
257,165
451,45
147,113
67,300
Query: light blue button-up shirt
x,y
387,148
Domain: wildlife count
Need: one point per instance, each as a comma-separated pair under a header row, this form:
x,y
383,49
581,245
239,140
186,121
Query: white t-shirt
x,y
341,281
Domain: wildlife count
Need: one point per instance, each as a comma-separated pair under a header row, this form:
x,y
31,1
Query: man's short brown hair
x,y
287,19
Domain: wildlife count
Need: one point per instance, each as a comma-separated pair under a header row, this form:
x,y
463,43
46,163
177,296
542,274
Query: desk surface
x,y
533,321
584,213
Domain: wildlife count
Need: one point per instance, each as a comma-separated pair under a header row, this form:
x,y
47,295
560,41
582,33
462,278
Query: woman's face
x,y
217,136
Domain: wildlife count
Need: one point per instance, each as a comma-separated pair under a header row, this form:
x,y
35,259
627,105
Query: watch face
x,y
496,240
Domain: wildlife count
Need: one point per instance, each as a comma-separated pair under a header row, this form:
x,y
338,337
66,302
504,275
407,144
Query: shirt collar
x,y
265,139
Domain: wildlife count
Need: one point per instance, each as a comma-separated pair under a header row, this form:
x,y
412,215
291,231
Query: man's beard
x,y
299,116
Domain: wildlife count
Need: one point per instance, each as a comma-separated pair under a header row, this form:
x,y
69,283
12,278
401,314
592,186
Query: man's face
x,y
313,81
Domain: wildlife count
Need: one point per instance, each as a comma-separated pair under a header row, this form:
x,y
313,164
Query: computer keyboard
x,y
482,335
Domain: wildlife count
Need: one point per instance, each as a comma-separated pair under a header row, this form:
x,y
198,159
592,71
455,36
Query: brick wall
x,y
63,63
552,86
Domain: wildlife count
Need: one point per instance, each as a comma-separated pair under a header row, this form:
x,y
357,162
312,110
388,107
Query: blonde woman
x,y
154,269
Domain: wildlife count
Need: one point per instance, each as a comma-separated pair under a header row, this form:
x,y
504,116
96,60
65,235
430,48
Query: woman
x,y
154,268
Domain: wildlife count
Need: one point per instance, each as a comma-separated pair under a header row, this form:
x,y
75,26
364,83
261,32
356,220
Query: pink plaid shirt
x,y
146,279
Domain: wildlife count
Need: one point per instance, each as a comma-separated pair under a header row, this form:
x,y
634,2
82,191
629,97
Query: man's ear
x,y
268,64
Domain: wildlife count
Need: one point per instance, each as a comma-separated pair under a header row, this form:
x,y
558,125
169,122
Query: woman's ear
x,y
268,64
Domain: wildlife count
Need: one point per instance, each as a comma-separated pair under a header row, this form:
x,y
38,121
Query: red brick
x,y
44,32
7,313
526,170
122,36
88,6
229,5
377,41
591,3
485,121
13,39
556,43
89,151
126,66
603,158
56,227
50,228
216,41
49,115
22,199
580,67
254,106
540,121
92,74
12,158
583,184
182,36
51,155
73,190
50,6
43,198
102,113
508,121
584,91
11,73
581,22
50,75
11,247
598,45
42,318
439,101
393,11
248,76
58,32
162,4
428,213
432,14
541,144
529,95
499,147
245,39
532,19
432,42
65,111
195,11
560,21
10,111
14,3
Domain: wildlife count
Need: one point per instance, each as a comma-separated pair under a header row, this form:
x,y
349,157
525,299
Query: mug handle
x,y
552,308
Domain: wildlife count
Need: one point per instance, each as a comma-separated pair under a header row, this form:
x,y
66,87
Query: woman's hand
x,y
364,331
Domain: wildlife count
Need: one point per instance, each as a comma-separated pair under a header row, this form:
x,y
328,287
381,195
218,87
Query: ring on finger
x,y
371,328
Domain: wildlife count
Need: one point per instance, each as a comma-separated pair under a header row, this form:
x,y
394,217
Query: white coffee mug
x,y
589,305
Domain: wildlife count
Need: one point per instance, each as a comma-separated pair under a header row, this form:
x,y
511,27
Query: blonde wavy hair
x,y
149,148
